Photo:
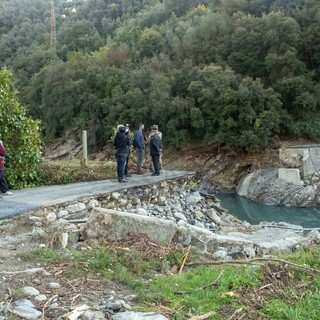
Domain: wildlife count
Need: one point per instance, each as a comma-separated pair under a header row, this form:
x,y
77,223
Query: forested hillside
x,y
238,73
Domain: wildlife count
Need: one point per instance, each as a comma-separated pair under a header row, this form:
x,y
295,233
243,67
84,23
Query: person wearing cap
x,y
156,130
3,182
139,145
126,173
121,143
155,149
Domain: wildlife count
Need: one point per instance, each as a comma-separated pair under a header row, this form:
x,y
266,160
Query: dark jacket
x,y
155,144
130,140
3,153
121,142
139,140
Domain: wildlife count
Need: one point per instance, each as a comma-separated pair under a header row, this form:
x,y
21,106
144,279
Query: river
x,y
254,213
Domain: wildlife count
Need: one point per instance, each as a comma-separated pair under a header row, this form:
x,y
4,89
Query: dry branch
x,y
185,259
236,312
254,262
46,305
161,307
214,282
203,287
29,271
203,317
74,299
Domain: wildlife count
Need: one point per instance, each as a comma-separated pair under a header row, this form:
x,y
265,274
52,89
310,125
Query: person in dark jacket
x,y
121,143
160,136
126,173
3,182
155,149
139,144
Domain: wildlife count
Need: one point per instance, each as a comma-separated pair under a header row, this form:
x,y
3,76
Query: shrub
x,y
20,135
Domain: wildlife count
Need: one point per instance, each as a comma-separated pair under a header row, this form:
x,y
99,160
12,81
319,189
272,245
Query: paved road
x,y
25,200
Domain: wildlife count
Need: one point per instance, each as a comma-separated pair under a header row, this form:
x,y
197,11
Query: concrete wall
x,y
311,162
306,158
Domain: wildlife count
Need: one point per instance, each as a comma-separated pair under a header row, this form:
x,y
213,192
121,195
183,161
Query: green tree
x,y
20,134
254,7
180,7
78,36
245,50
239,113
150,43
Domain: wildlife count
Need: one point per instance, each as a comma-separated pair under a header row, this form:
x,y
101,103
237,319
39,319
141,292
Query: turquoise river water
x,y
254,213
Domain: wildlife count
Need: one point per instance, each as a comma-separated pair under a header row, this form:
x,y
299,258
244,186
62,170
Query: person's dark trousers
x,y
3,183
156,163
126,167
140,159
121,163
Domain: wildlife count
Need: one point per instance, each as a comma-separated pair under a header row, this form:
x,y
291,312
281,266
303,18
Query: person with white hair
x,y
121,144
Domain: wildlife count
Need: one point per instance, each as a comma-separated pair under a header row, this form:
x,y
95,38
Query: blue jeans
x,y
121,164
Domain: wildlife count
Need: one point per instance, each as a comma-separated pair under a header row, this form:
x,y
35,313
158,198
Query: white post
x,y
84,147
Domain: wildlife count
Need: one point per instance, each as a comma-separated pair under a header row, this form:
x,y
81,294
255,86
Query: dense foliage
x,y
238,73
20,135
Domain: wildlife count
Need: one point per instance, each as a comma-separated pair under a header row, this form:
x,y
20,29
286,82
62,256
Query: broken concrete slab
x,y
114,225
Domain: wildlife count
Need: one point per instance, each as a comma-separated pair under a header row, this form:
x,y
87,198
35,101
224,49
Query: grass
x,y
123,263
19,294
197,292
4,222
63,172
271,291
305,308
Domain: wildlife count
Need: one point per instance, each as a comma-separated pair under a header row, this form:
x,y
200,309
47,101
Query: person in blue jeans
x,y
121,143
139,145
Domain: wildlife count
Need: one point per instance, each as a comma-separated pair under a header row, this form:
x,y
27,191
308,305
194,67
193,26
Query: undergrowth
x,y
268,290
63,172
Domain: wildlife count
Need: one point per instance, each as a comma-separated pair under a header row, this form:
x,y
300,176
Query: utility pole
x,y
53,35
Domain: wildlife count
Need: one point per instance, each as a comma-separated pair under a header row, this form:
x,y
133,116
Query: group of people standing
x,y
122,142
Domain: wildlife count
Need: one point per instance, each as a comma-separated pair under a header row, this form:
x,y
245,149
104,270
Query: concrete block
x,y
290,176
